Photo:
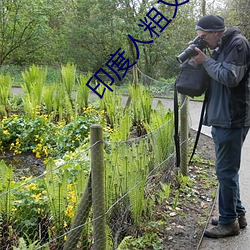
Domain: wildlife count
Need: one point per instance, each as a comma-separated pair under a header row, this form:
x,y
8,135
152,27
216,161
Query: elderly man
x,y
228,112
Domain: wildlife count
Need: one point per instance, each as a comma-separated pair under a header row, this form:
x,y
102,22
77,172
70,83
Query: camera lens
x,y
187,53
190,51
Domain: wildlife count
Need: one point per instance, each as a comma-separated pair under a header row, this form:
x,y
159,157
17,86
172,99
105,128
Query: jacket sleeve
x,y
234,66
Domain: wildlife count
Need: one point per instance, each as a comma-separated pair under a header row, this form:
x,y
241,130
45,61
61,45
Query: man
x,y
228,112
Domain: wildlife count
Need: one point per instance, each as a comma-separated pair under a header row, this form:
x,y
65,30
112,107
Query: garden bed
x,y
178,221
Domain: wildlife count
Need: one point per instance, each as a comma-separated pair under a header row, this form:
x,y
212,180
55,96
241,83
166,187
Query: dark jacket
x,y
229,90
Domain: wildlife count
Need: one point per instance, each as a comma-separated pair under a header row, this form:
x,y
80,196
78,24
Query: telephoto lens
x,y
190,50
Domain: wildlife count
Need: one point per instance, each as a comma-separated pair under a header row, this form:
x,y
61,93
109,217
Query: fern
x,y
68,74
56,184
33,86
5,90
83,91
161,126
49,97
6,184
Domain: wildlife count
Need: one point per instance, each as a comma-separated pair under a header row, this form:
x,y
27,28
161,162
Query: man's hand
x,y
200,58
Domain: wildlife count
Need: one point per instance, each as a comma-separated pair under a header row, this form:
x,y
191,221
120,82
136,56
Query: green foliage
x,y
23,25
128,161
30,206
83,91
57,188
111,103
6,184
33,85
5,90
122,128
164,191
48,98
126,172
141,104
43,137
161,126
29,245
184,181
68,74
147,241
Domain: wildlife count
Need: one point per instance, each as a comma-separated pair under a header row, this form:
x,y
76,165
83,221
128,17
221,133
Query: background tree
x,y
86,32
238,13
21,26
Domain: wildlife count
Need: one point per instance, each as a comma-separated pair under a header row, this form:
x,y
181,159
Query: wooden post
x,y
98,195
184,135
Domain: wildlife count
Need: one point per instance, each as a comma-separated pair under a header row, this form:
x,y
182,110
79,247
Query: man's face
x,y
211,38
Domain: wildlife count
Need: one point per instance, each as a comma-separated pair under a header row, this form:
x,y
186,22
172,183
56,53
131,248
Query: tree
x,y
238,13
21,21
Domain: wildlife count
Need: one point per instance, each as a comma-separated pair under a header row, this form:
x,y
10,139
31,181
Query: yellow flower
x,y
103,112
14,209
38,156
31,187
45,151
69,211
17,152
6,132
73,199
37,196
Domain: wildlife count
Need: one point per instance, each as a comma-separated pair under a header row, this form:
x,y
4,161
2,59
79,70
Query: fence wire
x,y
45,210
159,87
41,210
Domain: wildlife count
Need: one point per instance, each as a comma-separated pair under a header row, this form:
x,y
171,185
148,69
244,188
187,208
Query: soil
x,y
186,223
25,164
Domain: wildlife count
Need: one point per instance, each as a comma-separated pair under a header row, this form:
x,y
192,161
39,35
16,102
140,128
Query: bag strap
x,y
176,125
199,127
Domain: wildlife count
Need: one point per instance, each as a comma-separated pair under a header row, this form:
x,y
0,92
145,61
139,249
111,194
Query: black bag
x,y
192,80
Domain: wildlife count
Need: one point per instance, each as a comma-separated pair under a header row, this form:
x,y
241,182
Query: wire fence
x,y
158,87
41,211
57,209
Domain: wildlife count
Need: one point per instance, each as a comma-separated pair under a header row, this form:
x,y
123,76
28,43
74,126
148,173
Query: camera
x,y
190,51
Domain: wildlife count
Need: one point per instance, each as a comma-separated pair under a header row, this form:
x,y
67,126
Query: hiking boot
x,y
241,219
221,230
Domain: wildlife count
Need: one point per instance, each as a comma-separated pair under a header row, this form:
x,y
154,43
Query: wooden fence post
x,y
98,194
184,135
